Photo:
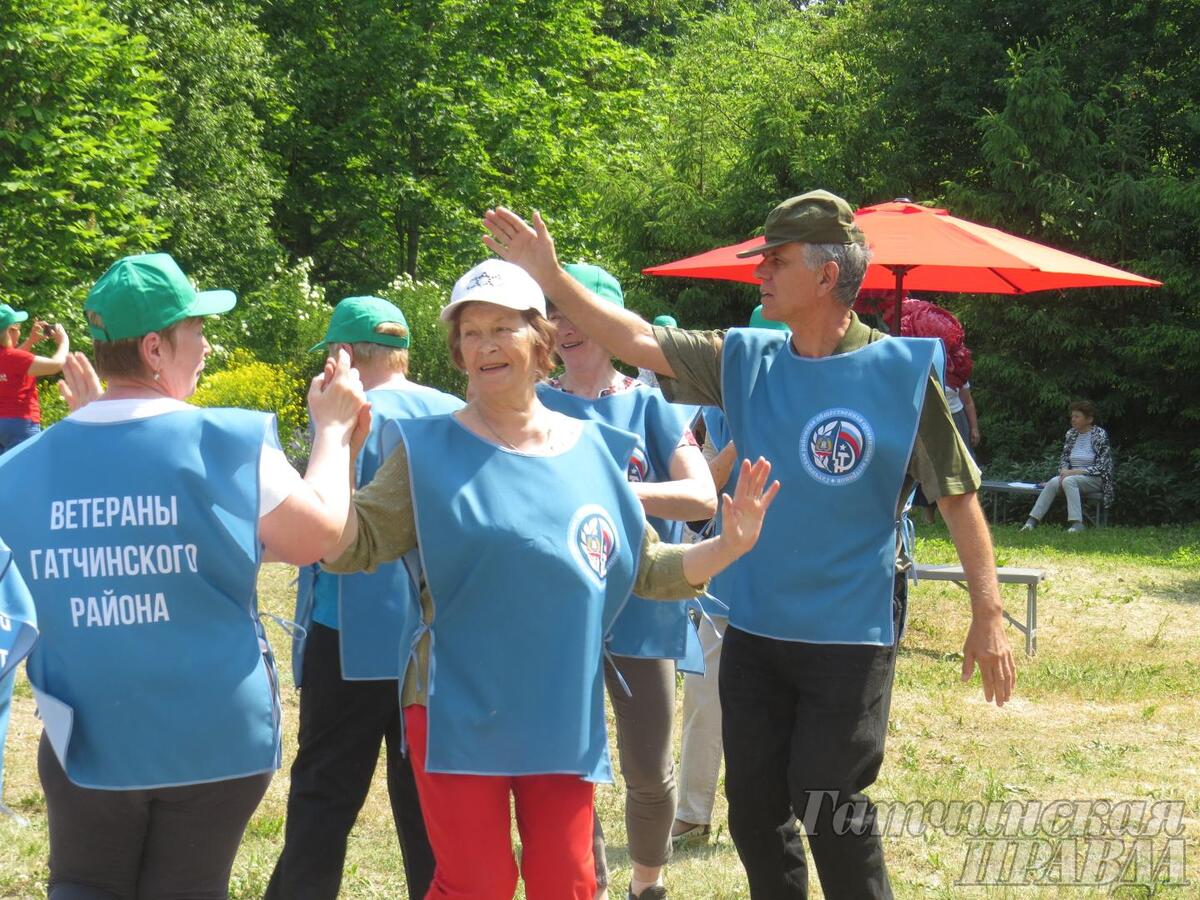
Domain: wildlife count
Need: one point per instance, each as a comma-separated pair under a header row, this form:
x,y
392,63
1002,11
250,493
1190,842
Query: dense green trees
x,y
1074,125
410,119
217,184
299,151
80,128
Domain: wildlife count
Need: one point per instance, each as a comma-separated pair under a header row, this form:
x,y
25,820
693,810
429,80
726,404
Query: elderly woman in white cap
x,y
531,542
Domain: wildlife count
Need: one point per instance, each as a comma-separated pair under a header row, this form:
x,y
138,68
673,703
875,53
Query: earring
x,y
157,375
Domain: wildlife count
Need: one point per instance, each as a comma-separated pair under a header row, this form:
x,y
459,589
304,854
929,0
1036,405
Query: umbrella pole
x,y
899,272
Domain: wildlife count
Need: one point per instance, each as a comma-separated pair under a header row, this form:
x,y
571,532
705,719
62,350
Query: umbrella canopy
x,y
918,248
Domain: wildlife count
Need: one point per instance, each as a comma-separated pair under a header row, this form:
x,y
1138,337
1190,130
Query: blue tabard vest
x,y
839,432
370,611
18,631
528,560
648,629
139,543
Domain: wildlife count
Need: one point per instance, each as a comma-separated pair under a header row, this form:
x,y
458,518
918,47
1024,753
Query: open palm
x,y
743,514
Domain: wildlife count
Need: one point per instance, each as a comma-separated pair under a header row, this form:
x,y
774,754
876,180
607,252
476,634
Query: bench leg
x,y
1031,620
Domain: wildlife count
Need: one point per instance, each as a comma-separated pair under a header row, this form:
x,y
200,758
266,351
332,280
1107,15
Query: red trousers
x,y
470,830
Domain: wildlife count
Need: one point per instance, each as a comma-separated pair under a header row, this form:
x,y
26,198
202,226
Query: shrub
x,y
249,383
1146,491
276,324
428,358
54,407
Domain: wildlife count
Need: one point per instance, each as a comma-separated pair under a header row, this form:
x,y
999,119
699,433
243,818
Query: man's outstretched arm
x,y
621,332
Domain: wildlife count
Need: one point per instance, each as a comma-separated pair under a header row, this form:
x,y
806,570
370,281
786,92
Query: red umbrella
x,y
918,248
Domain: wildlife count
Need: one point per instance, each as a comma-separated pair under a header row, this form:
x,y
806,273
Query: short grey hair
x,y
395,358
852,260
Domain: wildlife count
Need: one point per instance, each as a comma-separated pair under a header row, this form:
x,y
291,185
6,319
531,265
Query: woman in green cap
x,y
139,523
669,475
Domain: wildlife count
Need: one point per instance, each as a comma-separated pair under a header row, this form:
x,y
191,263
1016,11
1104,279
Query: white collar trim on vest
x,y
101,411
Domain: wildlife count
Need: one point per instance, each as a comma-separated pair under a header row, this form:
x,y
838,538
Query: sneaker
x,y
697,834
655,892
1076,527
1030,524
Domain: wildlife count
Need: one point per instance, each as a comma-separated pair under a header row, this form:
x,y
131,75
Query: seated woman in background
x,y
1086,467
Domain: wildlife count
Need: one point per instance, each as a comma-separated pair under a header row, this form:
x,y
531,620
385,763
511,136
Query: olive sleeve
x,y
660,571
940,460
386,526
695,358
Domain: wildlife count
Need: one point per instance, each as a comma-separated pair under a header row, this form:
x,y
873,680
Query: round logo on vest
x,y
836,446
592,536
639,466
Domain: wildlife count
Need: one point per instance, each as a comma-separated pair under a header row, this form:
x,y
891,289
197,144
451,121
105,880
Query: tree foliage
x,y
80,129
216,184
411,119
299,150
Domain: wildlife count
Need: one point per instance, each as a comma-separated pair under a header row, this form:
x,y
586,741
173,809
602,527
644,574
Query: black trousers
x,y
342,726
803,727
175,843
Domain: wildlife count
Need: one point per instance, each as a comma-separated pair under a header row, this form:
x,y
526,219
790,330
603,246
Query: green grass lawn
x,y
1107,710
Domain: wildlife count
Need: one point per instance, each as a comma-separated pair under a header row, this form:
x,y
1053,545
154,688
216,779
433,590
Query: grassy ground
x,y
1107,710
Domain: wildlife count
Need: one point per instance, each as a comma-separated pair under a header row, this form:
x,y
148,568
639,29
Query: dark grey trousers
x,y
175,843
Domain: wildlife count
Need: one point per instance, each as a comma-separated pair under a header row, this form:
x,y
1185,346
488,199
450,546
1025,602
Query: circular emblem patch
x,y
592,537
639,466
836,446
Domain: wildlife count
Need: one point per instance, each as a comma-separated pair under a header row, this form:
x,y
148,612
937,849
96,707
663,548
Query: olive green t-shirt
x,y
387,529
940,460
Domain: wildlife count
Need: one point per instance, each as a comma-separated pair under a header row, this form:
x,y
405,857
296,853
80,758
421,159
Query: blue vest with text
x,y
839,432
647,629
370,611
138,541
528,560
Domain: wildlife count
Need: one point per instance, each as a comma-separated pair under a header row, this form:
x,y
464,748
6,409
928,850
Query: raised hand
x,y
79,385
511,238
335,397
743,514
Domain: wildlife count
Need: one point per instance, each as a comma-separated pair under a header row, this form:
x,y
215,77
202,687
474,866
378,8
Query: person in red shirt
x,y
20,413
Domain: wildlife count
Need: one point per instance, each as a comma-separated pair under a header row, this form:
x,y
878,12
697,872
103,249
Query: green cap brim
x,y
15,319
212,303
769,245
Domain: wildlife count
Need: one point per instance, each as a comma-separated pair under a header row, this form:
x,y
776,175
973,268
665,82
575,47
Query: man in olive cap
x,y
849,420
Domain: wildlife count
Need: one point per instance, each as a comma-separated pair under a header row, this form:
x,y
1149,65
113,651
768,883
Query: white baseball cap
x,y
499,282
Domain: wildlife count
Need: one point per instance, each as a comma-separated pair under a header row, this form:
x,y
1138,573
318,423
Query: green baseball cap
x,y
145,293
598,281
10,316
817,217
666,321
758,320
356,320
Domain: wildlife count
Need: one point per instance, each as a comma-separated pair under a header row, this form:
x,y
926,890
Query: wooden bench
x,y
1031,578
